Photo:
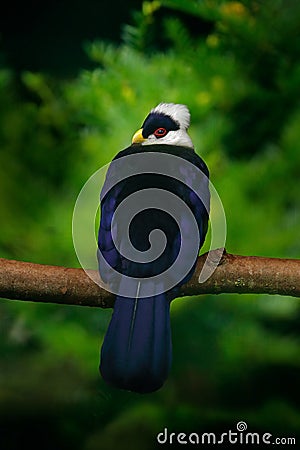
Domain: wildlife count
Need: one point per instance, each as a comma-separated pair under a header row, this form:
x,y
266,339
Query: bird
x,y
136,353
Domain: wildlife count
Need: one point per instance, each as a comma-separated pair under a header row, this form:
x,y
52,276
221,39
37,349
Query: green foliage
x,y
235,358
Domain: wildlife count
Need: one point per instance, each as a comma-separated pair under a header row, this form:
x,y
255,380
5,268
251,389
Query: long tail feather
x,y
137,350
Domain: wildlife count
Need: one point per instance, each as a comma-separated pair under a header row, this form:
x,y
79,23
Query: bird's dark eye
x,y
160,132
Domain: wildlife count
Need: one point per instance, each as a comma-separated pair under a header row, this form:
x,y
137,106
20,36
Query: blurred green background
x,y
76,81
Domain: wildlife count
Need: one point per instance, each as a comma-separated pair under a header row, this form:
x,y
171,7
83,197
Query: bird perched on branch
x,y
137,350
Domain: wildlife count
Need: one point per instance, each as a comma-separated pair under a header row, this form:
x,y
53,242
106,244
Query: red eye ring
x,y
160,132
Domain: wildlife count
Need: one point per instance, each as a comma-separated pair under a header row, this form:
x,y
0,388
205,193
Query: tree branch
x,y
234,274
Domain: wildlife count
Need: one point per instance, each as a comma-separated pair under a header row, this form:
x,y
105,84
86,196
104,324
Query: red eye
x,y
160,132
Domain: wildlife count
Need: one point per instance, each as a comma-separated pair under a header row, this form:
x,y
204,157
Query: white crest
x,y
179,113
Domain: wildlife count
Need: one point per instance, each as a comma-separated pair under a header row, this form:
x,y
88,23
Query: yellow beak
x,y
138,137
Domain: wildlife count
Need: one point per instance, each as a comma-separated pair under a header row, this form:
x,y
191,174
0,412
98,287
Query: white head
x,y
167,123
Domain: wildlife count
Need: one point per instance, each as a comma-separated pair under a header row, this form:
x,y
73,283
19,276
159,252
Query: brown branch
x,y
235,274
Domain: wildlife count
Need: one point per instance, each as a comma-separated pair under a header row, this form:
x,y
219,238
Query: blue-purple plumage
x,y
137,351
